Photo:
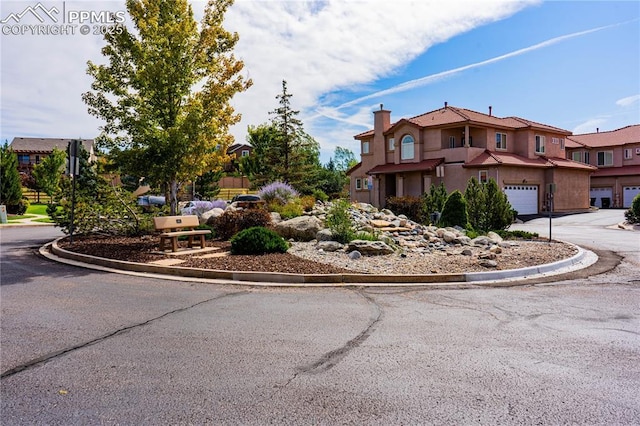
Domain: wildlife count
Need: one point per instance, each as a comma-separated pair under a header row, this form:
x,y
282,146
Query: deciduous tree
x,y
165,92
48,173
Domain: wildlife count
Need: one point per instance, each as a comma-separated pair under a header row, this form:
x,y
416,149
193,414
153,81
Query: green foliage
x,y
633,214
454,212
291,209
339,221
412,207
434,200
344,159
206,185
258,240
307,202
231,222
517,234
331,180
488,206
165,92
10,186
320,195
47,174
367,236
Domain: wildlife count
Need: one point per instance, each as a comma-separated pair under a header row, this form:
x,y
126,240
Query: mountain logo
x,y
38,11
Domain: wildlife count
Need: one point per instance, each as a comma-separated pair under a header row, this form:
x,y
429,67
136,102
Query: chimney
x,y
490,108
446,104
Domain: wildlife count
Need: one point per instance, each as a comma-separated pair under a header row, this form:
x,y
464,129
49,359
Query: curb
x,y
581,260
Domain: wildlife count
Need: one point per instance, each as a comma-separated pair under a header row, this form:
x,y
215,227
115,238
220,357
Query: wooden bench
x,y
179,226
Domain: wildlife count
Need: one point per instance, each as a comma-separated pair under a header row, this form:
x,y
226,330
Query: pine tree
x,y
48,173
499,213
10,186
474,194
454,212
434,200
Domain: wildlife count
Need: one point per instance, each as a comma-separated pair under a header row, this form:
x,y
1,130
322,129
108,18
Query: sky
x,y
569,64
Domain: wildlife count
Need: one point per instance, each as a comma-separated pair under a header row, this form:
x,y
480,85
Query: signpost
x,y
551,189
73,170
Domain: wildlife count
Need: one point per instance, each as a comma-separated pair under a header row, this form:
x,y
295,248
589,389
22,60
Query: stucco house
x,y
616,154
32,151
453,144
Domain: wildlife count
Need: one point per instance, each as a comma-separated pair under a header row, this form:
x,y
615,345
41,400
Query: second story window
x,y
627,153
23,159
539,144
245,152
407,148
365,147
501,141
587,159
452,141
576,156
392,144
605,158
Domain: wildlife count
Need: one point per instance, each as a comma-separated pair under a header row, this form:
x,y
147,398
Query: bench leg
x,y
190,241
161,243
202,241
174,243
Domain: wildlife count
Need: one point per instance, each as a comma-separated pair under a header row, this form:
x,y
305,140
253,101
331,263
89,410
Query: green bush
x,y
367,236
319,194
339,221
487,206
454,212
231,222
517,234
412,207
434,201
633,214
290,210
258,240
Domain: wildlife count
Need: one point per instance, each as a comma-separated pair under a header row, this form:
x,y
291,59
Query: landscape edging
x,y
288,278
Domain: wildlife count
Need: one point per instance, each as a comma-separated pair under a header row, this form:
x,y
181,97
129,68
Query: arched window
x,y
407,147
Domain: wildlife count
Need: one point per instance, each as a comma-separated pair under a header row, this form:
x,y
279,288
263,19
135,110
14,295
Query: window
x,y
501,141
555,141
358,184
365,147
605,158
576,156
245,152
23,159
628,153
392,144
561,143
539,144
452,141
483,176
37,159
407,148
587,159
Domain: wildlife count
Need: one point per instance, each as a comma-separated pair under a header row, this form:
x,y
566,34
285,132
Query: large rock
x,y
370,248
330,246
494,237
209,216
324,235
302,228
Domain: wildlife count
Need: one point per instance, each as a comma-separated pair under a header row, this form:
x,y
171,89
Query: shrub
x,y
412,207
509,235
339,221
487,206
231,222
434,201
291,210
277,191
454,212
308,202
633,214
258,240
367,236
320,195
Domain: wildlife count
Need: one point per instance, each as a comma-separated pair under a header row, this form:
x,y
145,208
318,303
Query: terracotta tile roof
x,y
424,165
45,145
450,115
617,171
491,158
618,137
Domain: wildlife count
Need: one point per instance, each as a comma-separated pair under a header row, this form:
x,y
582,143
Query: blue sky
x,y
569,64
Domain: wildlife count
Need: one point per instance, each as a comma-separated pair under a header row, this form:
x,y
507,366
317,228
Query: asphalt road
x,y
86,347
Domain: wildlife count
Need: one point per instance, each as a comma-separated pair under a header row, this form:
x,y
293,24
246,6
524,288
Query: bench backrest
x,y
175,222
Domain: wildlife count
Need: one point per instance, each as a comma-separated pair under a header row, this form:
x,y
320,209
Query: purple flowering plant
x,y
278,192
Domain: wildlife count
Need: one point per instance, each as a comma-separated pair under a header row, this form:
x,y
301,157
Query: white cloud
x,y
319,47
628,101
590,126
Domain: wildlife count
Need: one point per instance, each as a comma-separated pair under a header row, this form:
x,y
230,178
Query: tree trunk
x,y
173,197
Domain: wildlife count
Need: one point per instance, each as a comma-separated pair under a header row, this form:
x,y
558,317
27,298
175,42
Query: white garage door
x,y
628,194
601,197
523,198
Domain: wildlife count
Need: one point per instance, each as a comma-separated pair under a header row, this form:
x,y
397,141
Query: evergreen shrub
x,y
454,212
258,240
411,207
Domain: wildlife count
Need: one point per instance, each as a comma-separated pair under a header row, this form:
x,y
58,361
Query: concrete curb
x,y
271,279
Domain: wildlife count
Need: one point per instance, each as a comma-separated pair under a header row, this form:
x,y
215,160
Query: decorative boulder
x,y
301,228
209,216
330,246
324,235
494,237
370,248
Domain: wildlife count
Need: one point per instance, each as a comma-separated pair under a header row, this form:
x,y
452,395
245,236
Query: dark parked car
x,y
246,197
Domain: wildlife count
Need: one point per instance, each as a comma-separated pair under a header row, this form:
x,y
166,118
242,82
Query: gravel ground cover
x,y
305,258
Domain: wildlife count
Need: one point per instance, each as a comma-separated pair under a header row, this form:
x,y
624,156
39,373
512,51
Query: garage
x,y
523,198
601,197
628,194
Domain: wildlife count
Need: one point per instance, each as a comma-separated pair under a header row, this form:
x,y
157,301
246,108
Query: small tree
x,y
475,196
633,214
339,221
48,173
10,187
454,212
434,200
499,213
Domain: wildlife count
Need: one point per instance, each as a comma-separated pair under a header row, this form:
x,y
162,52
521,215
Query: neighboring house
x,y
32,151
236,152
617,155
451,145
